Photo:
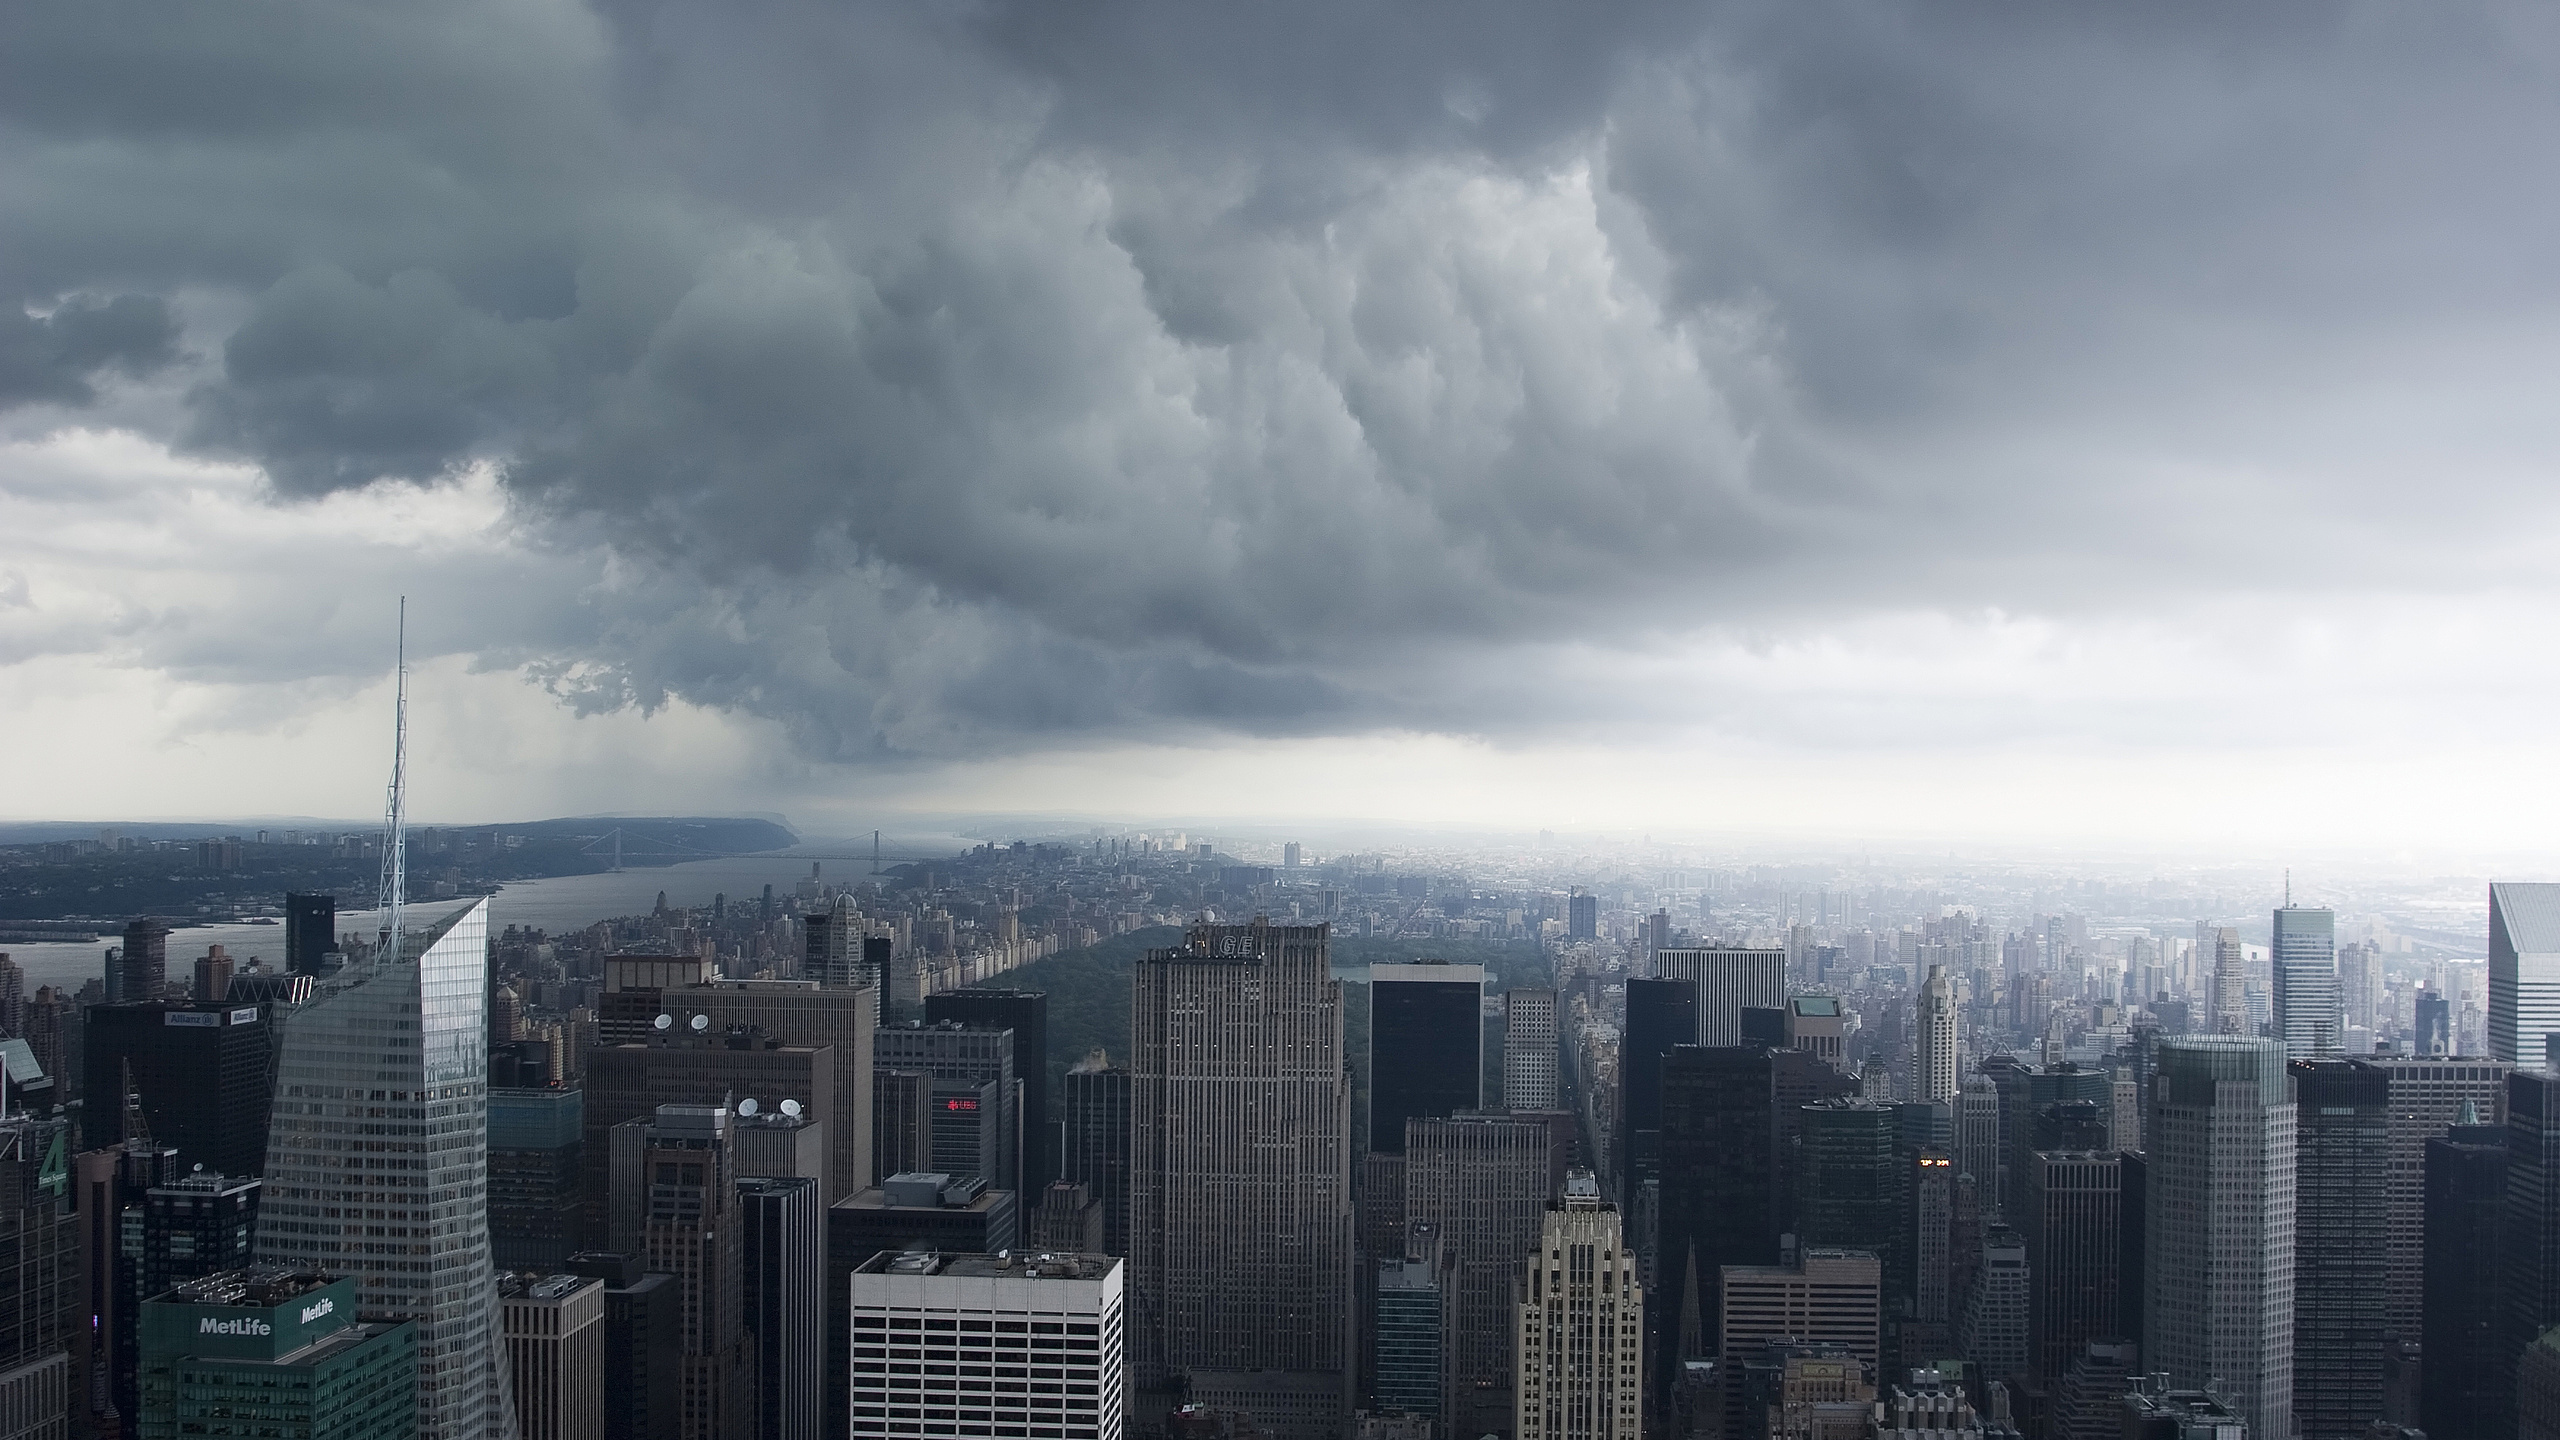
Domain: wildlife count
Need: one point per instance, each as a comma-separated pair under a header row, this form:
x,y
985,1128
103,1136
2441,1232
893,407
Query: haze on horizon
x,y
1967,425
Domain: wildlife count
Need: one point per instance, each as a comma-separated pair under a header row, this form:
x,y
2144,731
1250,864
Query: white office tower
x,y
1529,1050
1581,1326
395,1049
2524,971
1934,1062
2230,985
2218,1300
1054,1318
2303,963
1729,980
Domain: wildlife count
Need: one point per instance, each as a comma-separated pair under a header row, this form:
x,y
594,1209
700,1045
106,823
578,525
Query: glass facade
x,y
378,1157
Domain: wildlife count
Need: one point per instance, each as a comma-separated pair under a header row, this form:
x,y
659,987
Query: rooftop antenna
x,y
395,827
2288,887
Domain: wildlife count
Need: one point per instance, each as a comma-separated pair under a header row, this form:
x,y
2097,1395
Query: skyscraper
x,y
1583,917
142,969
1026,1014
785,1284
2524,970
1240,1178
689,1067
2218,1302
1094,1129
554,1326
1661,1014
1934,1062
685,1203
2341,1246
972,1068
2071,1224
2230,985
310,931
43,1313
534,1150
2529,1238
1058,1316
1728,980
1480,1181
199,1073
2304,964
644,1341
333,1076
1529,1037
1426,1046
2466,1201
1850,1186
1579,1326
1826,1299
290,1349
1720,1194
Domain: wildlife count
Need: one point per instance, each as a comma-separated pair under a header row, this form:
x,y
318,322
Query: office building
x,y
1529,1054
534,1154
2341,1245
2071,1224
2465,1206
1408,1339
334,1075
2230,985
785,1265
1582,914
779,1143
1243,1248
1058,1316
1935,1064
1025,1013
281,1349
213,977
1426,1046
643,1345
835,951
2538,1389
1934,1406
689,1067
181,1227
1727,981
901,1120
2218,1302
554,1327
2152,1411
1094,1134
838,1019
310,932
1815,1025
199,1074
1996,1327
1661,1015
1933,1204
1849,1187
2524,970
1066,1219
2427,1093
141,969
1482,1182
43,1314
976,1129
1580,1325
2361,992
675,1190
903,1212
1824,1299
1978,1141
2303,964
2529,1236
1720,1194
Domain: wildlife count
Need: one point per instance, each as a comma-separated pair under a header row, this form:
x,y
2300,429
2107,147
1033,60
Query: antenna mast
x,y
395,827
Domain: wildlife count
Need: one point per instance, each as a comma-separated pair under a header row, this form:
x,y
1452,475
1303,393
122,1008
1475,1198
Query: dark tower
x,y
1660,1014
310,931
2341,1245
1095,1130
200,1073
2466,1200
1583,917
1719,1162
2530,1234
1426,1047
143,971
1026,1014
785,1275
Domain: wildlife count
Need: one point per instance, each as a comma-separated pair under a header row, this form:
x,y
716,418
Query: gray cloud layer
x,y
952,378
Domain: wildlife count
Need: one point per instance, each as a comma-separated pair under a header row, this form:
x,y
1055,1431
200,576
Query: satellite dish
x,y
791,1108
701,1023
663,1021
747,1106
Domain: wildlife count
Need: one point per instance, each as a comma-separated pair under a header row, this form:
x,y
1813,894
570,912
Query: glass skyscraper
x,y
2303,963
378,1156
2524,971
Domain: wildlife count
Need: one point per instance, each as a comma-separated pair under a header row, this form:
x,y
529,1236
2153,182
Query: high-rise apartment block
x,y
2218,1306
1727,981
2303,964
1242,1246
1056,1317
555,1335
1529,1053
141,969
1426,1046
283,1351
1580,1326
1094,1134
425,1106
2524,970
2341,1246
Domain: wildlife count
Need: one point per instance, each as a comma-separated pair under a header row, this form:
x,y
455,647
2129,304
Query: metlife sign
x,y
250,1332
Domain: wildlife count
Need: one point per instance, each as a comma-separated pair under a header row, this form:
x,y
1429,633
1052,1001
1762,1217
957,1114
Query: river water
x,y
558,904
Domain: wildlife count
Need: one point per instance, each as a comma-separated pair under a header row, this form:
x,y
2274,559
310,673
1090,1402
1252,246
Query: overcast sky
x,y
2131,423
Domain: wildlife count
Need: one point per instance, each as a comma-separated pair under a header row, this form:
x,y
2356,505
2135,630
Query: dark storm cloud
x,y
948,378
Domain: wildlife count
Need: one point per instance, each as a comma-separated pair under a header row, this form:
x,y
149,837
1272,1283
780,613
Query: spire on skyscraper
x,y
394,896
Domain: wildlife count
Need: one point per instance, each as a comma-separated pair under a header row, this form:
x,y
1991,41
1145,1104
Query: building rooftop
x,y
263,1286
1019,1264
529,1285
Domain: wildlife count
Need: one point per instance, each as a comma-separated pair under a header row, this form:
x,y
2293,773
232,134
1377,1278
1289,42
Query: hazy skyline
x,y
1969,425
